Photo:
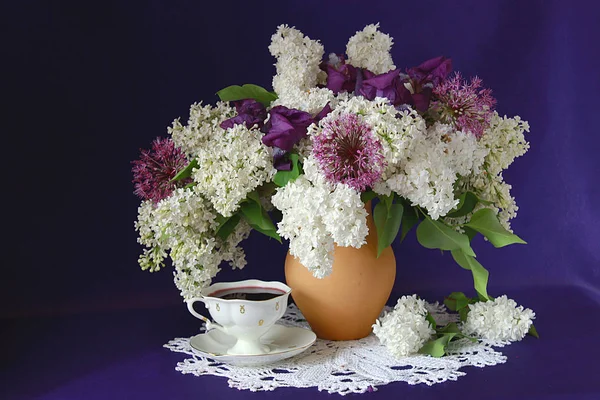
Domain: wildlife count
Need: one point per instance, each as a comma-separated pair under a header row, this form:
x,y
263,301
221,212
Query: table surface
x,y
119,355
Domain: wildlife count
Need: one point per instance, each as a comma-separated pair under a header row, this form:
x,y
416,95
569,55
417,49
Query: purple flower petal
x,y
286,127
341,77
421,100
250,112
280,161
388,85
323,113
432,71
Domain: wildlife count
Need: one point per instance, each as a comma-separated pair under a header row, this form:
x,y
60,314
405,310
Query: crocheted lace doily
x,y
344,367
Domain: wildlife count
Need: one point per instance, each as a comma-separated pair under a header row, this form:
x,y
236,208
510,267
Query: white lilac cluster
x,y
231,165
222,154
311,100
405,329
434,162
498,320
298,73
202,124
316,215
503,142
370,49
184,225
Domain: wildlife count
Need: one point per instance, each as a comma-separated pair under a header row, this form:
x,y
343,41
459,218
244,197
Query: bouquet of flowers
x,y
300,162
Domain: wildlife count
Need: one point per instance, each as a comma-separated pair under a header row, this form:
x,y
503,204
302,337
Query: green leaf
x,y
272,233
254,196
282,178
436,235
464,312
456,301
253,212
247,91
450,328
486,222
266,190
467,202
533,332
484,202
387,200
257,217
227,225
368,195
387,222
409,219
480,274
186,172
437,347
432,322
471,233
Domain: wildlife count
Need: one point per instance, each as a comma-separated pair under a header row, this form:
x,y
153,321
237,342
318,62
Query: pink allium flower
x,y
348,152
464,104
153,172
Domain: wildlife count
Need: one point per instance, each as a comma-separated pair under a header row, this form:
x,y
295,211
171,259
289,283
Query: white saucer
x,y
284,342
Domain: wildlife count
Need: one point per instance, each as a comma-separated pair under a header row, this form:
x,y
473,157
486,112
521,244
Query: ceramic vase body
x,y
345,304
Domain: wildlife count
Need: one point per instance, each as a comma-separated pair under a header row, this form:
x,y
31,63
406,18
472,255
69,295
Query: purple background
x,y
86,85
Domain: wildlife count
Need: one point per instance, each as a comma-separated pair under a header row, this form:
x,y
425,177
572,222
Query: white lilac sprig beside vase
x,y
346,155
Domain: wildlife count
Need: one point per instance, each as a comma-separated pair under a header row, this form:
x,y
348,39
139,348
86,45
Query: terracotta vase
x,y
344,305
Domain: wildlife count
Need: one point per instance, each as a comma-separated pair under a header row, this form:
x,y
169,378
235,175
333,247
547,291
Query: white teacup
x,y
239,310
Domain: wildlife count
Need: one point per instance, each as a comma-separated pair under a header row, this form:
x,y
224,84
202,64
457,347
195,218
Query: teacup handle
x,y
209,324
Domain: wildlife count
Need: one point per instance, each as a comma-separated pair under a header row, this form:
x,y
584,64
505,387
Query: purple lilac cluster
x,y
465,104
348,152
154,171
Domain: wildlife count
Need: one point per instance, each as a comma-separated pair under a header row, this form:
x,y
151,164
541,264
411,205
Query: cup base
x,y
245,347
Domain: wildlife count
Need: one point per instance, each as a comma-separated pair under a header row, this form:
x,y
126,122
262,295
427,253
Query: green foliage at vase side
x,y
282,178
247,91
387,216
480,274
410,218
257,217
438,235
394,214
486,222
367,196
466,203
